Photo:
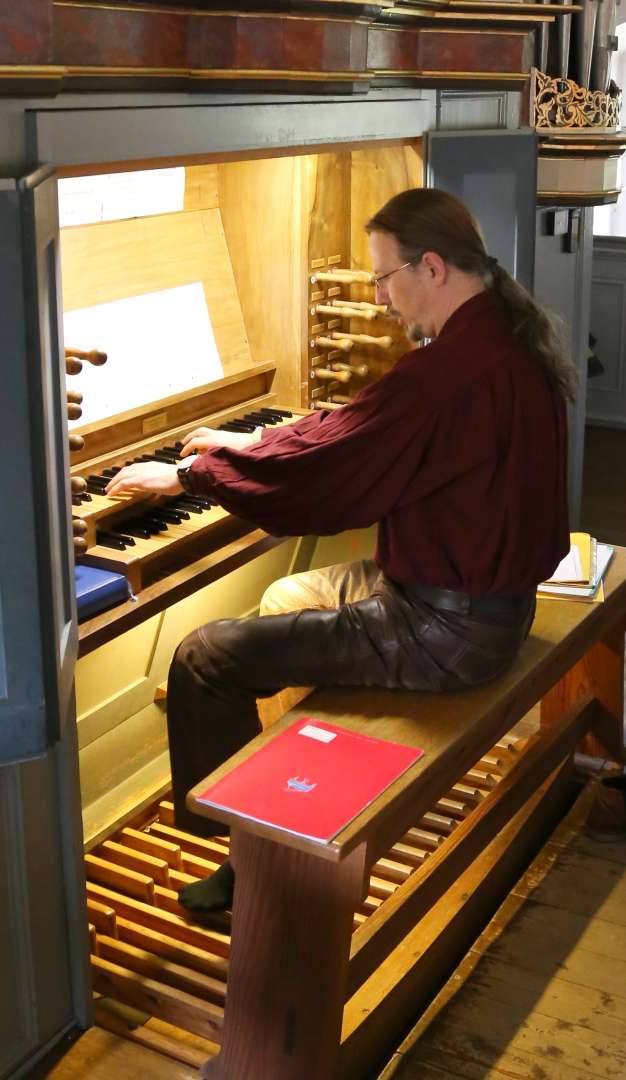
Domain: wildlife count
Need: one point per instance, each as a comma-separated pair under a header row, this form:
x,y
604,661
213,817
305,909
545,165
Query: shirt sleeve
x,y
327,472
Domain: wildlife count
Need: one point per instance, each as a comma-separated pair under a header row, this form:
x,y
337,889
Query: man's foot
x,y
213,894
607,820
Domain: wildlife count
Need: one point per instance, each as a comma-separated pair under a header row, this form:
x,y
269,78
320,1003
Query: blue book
x,y
98,589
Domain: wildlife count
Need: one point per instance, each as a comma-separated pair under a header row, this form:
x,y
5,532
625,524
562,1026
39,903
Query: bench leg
x,y
599,674
291,931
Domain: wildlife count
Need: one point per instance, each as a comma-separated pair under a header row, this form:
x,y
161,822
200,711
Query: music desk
x,y
295,960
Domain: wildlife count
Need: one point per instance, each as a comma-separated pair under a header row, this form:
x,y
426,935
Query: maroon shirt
x,y
459,454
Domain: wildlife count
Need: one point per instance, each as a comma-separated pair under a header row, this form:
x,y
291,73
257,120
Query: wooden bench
x,y
307,998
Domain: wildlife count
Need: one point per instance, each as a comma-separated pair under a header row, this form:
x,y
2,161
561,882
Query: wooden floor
x,y
542,995
603,509
101,1055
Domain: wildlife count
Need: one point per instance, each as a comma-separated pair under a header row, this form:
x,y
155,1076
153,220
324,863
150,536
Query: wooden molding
x,y
54,45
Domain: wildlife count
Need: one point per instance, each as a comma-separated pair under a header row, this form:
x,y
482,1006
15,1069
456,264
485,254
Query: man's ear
x,y
435,266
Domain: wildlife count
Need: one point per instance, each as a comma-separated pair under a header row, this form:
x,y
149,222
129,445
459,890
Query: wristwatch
x,y
183,472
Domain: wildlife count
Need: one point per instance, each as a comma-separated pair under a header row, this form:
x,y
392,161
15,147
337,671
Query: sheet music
x,y
158,344
114,196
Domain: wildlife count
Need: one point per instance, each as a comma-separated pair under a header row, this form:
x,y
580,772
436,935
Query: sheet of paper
x,y
569,568
158,344
84,200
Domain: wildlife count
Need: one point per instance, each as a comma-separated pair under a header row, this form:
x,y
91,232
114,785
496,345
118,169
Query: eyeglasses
x,y
383,277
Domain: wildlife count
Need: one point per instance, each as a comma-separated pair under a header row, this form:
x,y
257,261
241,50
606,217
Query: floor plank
x,y
542,995
101,1055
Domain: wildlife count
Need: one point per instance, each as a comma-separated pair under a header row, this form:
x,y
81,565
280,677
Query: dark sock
x,y
214,893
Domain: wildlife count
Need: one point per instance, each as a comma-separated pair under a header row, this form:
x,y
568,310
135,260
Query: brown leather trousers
x,y
354,628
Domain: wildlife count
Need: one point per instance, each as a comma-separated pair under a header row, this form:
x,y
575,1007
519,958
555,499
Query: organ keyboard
x,y
149,539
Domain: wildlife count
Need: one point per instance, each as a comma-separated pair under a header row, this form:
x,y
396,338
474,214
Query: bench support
x,y
291,930
599,674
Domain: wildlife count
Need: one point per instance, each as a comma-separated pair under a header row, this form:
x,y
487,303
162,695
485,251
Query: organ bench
x,y
309,997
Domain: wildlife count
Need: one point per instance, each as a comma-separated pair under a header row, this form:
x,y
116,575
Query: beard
x,y
415,333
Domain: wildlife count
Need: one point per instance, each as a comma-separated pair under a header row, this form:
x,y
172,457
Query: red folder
x,y
312,779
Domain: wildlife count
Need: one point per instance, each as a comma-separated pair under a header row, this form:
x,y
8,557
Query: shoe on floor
x,y
607,819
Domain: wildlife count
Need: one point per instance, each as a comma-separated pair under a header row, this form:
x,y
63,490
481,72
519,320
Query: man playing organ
x,y
458,453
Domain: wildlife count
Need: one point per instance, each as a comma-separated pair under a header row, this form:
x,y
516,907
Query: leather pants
x,y
345,625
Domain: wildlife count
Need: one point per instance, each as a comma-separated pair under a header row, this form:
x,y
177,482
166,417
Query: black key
x,y
170,516
96,489
185,508
173,449
237,425
279,412
134,528
258,421
112,534
151,523
110,541
169,459
271,412
194,500
172,508
113,471
263,418
101,481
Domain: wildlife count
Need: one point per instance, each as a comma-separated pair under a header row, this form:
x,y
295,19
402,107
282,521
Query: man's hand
x,y
146,476
204,438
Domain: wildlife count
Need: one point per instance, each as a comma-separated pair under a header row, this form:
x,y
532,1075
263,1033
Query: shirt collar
x,y
468,313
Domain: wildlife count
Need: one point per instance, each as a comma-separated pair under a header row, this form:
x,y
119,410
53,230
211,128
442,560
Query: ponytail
x,y
537,330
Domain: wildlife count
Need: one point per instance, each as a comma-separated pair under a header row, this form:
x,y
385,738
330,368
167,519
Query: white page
x,y
158,344
84,200
569,568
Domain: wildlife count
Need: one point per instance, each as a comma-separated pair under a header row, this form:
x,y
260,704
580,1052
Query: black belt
x,y
463,604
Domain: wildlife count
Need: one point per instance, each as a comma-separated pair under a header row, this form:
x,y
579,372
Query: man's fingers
x,y
124,480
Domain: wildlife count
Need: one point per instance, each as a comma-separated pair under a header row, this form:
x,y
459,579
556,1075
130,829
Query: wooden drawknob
x,y
335,376
345,277
79,528
344,311
361,370
365,304
75,396
364,339
76,443
73,365
331,343
94,356
74,412
78,485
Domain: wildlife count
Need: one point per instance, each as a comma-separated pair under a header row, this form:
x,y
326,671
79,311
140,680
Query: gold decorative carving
x,y
561,103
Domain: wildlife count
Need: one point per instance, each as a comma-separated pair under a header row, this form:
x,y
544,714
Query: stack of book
x,y
579,575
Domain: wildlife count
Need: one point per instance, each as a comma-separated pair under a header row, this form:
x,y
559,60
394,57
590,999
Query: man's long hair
x,y
427,219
